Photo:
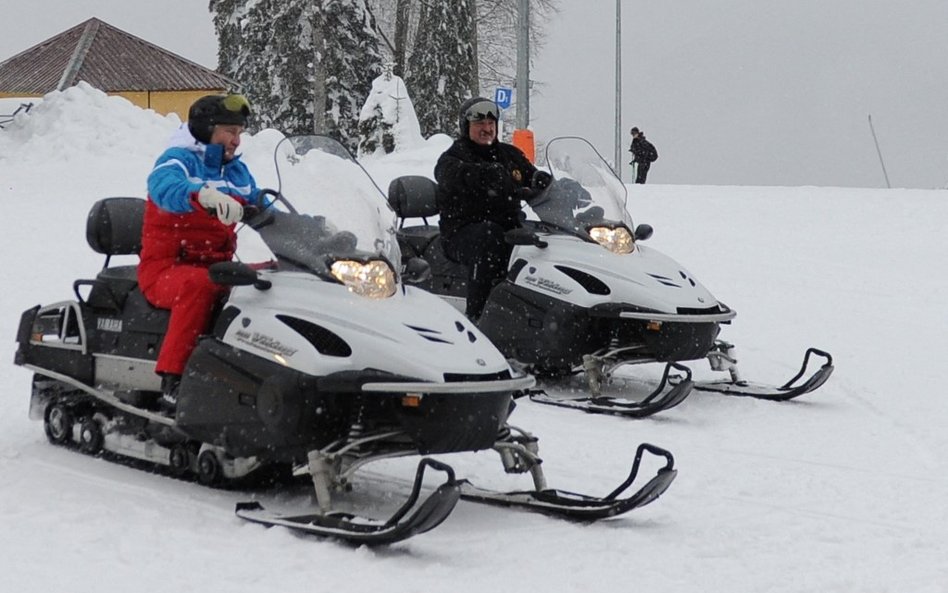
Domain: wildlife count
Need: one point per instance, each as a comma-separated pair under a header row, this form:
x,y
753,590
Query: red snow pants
x,y
188,292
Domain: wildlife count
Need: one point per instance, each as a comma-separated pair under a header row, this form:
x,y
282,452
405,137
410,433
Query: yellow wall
x,y
164,102
4,95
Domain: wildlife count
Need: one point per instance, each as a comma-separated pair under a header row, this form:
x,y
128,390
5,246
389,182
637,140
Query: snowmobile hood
x,y
307,324
587,275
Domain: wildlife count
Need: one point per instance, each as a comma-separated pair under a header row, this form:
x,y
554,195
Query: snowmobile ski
x,y
787,391
424,515
657,401
581,507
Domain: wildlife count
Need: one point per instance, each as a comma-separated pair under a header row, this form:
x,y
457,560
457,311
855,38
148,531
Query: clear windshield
x,y
325,193
585,189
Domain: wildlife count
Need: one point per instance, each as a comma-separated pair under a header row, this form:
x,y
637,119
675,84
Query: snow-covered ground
x,y
844,490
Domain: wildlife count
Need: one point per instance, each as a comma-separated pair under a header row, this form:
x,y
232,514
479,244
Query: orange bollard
x,y
523,139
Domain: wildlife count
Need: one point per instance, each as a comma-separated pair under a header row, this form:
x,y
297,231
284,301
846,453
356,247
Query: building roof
x,y
107,58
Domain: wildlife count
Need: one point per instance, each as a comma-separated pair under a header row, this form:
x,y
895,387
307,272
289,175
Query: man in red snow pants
x,y
196,193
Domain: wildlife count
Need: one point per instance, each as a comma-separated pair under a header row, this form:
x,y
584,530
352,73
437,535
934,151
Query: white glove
x,y
229,211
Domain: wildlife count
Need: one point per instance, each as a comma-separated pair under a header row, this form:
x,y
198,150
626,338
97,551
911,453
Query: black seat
x,y
113,227
414,196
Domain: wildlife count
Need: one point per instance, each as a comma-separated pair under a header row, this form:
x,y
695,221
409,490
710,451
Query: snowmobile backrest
x,y
413,196
114,226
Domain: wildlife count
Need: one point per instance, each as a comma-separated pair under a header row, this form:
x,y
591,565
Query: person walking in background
x,y
643,155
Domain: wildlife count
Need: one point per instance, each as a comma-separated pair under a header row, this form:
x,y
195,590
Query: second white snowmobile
x,y
319,365
584,295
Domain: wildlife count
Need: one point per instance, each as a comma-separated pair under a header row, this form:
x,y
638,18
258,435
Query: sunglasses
x,y
237,104
481,111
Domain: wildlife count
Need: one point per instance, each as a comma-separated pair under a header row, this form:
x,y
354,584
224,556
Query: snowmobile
x,y
318,364
584,296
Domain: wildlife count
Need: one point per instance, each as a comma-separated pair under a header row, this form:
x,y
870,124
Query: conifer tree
x,y
442,69
305,65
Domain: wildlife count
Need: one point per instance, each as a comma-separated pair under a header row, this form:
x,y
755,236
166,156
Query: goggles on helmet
x,y
236,104
482,110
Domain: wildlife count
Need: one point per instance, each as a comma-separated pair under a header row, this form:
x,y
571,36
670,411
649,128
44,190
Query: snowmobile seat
x,y
114,227
414,196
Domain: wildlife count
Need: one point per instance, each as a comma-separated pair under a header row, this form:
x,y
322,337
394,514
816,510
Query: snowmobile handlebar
x,y
523,236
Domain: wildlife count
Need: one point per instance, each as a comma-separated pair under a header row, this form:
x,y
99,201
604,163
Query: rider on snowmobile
x,y
481,182
196,194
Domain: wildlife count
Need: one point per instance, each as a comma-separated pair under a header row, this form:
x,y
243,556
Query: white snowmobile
x,y
321,365
584,295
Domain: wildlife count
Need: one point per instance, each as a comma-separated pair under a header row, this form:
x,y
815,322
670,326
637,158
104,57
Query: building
x,y
114,62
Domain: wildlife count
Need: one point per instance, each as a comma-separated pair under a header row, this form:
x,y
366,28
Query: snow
x,y
389,102
843,490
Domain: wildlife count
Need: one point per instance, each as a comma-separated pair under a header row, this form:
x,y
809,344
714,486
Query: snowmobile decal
x,y
109,325
263,342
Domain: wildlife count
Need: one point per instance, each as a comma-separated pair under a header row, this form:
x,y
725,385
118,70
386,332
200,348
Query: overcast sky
x,y
743,92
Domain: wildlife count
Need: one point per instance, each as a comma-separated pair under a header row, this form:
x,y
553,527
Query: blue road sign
x,y
502,96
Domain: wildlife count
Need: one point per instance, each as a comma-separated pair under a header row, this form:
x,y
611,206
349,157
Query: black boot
x,y
169,394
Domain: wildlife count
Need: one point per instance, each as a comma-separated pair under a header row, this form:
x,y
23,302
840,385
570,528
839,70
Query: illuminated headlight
x,y
373,279
618,240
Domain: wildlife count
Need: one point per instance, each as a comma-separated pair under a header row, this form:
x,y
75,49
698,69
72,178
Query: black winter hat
x,y
212,110
474,109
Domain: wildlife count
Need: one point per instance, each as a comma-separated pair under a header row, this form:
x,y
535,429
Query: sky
x,y
736,92
841,491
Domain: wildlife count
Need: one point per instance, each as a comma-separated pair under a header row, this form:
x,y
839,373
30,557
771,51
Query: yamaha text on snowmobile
x,y
583,295
323,363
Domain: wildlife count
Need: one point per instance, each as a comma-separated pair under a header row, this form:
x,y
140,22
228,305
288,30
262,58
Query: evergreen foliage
x,y
442,68
305,65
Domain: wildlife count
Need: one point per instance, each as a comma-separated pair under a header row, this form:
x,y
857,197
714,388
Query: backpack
x,y
652,154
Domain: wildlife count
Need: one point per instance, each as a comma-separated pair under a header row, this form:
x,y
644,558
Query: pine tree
x,y
497,27
442,69
352,61
305,65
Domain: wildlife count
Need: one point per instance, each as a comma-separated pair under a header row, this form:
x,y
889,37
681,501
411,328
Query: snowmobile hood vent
x,y
432,335
460,377
666,280
326,342
701,310
590,283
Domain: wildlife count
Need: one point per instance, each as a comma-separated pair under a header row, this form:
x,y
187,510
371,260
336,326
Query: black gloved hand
x,y
496,176
525,194
541,180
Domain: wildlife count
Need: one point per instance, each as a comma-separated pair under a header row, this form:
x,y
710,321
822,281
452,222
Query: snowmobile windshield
x,y
585,190
328,207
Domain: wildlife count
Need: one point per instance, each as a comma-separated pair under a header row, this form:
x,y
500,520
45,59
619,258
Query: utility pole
x,y
618,124
523,65
879,152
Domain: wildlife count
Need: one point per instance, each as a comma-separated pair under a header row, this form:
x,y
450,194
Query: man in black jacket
x,y
643,155
481,183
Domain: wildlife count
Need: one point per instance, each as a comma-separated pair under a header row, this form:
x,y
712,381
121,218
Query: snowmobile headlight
x,y
374,279
618,240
